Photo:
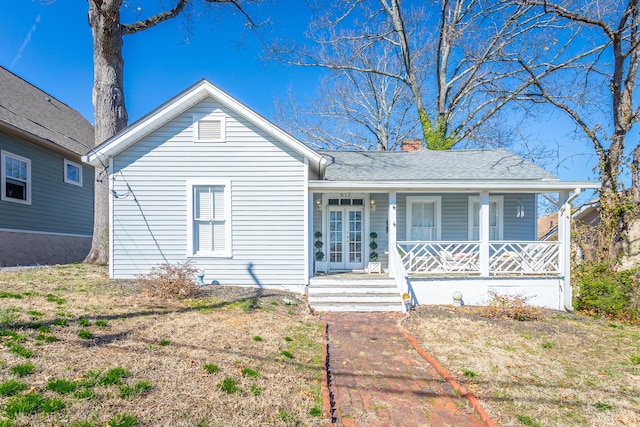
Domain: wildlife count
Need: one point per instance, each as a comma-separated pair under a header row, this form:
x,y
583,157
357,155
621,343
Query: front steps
x,y
357,295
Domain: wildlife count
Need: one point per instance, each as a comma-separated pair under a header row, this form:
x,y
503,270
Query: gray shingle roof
x,y
29,109
427,165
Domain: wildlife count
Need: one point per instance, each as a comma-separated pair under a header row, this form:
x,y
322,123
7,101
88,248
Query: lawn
x,y
78,349
561,370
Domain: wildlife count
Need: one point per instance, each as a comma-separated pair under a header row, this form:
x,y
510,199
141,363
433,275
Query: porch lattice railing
x,y
505,258
508,258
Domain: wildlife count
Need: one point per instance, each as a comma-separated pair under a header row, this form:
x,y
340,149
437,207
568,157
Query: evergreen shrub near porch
x,y
603,291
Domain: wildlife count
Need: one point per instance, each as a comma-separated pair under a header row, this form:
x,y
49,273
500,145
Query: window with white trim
x,y
15,177
210,218
72,173
495,217
210,128
423,218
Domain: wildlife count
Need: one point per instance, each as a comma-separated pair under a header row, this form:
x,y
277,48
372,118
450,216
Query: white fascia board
x,y
178,105
454,186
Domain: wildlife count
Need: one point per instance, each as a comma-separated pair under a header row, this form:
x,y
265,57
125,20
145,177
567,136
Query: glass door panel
x,y
345,225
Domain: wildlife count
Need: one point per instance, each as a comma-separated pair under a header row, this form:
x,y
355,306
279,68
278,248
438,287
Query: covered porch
x,y
436,239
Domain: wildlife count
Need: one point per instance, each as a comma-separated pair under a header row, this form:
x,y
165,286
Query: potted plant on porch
x,y
320,266
374,266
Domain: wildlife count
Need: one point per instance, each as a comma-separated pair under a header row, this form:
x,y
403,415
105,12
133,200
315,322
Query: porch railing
x,y
399,273
505,258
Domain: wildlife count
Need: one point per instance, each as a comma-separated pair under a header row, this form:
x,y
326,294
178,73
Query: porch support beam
x,y
564,237
484,233
393,235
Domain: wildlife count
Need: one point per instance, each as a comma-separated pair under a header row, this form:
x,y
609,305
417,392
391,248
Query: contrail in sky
x,y
25,42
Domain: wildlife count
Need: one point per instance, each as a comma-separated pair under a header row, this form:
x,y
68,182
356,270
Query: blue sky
x,y
49,44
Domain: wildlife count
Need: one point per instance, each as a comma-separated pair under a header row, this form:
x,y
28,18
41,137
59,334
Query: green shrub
x,y
603,291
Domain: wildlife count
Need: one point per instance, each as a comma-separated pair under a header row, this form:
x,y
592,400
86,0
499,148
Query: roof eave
x,y
453,186
39,140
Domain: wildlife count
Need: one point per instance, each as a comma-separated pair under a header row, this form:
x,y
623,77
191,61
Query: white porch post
x,y
564,237
393,236
484,233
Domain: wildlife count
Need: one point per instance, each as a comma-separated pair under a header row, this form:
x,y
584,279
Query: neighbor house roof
x,y
179,104
37,116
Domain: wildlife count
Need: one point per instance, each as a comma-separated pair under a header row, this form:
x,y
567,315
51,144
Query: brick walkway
x,y
376,378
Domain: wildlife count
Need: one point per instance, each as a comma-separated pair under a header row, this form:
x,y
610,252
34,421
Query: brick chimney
x,y
411,145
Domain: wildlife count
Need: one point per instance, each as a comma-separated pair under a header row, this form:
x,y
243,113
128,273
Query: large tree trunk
x,y
109,109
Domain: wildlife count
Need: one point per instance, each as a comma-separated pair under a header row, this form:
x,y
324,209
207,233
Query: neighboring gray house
x,y
204,178
46,195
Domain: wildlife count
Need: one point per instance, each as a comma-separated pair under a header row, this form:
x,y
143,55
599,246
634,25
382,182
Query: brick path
x,y
376,378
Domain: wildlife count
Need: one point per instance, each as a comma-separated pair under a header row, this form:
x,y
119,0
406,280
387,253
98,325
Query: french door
x,y
345,225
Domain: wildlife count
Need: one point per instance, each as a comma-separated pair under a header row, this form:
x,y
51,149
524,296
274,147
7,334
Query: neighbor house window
x,y
210,218
423,218
72,173
16,178
495,217
210,128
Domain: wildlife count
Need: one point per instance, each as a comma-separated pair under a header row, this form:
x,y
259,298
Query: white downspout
x,y
564,237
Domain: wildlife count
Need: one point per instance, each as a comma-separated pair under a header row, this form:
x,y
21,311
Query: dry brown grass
x,y
562,370
166,343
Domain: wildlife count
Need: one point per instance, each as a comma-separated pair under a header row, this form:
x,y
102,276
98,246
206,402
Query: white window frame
x,y
438,213
66,176
210,117
227,251
3,178
499,201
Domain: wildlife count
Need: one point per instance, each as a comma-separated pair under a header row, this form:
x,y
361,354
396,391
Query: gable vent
x,y
210,129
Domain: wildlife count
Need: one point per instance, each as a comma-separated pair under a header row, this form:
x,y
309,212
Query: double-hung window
x,y
15,178
209,218
495,217
423,218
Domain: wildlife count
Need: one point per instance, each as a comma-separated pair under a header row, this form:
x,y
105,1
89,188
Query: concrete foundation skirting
x,y
17,248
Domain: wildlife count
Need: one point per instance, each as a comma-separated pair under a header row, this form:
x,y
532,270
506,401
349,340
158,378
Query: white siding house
x,y
204,178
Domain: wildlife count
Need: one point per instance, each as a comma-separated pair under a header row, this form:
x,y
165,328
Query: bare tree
x,y
110,112
458,60
607,36
354,110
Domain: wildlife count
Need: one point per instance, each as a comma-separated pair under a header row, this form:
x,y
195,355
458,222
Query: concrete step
x,y
354,295
340,298
360,308
353,291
